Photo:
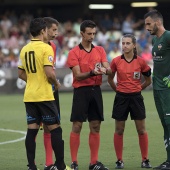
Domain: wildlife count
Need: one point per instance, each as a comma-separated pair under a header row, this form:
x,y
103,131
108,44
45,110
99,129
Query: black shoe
x,y
97,166
74,166
119,164
146,164
164,165
50,167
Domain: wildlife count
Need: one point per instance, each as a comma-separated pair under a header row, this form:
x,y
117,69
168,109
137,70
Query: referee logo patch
x,y
136,75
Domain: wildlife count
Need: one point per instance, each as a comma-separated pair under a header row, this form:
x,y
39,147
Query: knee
x,y
95,127
119,131
46,130
141,131
76,128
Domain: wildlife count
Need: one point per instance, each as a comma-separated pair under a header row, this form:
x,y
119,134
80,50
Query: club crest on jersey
x,y
159,46
50,58
136,75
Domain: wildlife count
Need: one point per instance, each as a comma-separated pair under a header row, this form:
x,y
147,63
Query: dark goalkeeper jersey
x,y
161,58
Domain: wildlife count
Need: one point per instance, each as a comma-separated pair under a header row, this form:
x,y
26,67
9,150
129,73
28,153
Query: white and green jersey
x,y
161,58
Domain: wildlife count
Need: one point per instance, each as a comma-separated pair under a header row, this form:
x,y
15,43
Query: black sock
x,y
30,145
58,147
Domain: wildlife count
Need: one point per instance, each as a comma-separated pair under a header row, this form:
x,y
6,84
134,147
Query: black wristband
x,y
92,73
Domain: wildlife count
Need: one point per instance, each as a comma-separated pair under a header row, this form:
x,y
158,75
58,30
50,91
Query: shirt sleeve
x,y
168,37
103,54
20,64
113,66
48,56
144,67
72,59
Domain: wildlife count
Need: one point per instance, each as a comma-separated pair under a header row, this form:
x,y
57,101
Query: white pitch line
x,y
14,131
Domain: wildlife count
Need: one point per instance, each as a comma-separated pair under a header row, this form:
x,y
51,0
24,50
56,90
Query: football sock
x,y
118,145
167,142
143,143
74,145
58,147
94,143
48,149
166,134
166,138
30,145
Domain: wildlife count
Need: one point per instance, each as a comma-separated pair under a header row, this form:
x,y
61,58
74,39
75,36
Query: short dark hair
x,y
49,21
87,23
154,14
36,25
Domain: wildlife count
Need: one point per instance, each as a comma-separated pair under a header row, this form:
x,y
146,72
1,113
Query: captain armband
x,y
147,74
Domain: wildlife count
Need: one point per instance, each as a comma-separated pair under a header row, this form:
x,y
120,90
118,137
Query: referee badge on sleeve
x,y
136,75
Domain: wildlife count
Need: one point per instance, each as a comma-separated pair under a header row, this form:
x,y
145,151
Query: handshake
x,y
166,81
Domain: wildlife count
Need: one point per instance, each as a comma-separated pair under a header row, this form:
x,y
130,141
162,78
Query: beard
x,y
155,30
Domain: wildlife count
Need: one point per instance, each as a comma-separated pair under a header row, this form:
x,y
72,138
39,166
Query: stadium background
x,y
15,17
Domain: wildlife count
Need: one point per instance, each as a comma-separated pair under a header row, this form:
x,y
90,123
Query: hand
x,y
103,70
58,85
97,66
166,81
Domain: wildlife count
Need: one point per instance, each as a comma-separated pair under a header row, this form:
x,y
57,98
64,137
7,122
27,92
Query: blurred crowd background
x,y
14,34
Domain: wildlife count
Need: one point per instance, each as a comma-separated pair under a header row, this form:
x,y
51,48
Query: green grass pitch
x,y
12,116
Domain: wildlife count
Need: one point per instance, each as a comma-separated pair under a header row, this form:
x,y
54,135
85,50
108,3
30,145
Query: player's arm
x,y
81,76
22,74
51,76
147,77
107,68
111,81
147,82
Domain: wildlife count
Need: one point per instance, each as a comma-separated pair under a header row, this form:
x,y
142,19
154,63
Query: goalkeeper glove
x,y
166,81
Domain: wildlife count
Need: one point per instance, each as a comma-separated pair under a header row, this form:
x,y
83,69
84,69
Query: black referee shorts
x,y
125,103
87,104
45,112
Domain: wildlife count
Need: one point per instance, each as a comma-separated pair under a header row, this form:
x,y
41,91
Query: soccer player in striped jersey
x,y
161,75
36,68
129,68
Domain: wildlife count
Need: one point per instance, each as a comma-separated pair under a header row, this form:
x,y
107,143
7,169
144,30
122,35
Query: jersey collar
x,y
82,48
35,40
123,57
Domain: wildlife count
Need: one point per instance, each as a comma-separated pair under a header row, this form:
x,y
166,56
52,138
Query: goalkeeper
x,y
161,75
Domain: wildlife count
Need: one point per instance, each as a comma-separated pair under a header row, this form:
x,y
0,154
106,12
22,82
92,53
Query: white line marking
x,y
14,131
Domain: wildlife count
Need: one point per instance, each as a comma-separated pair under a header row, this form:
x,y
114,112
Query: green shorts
x,y
162,103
